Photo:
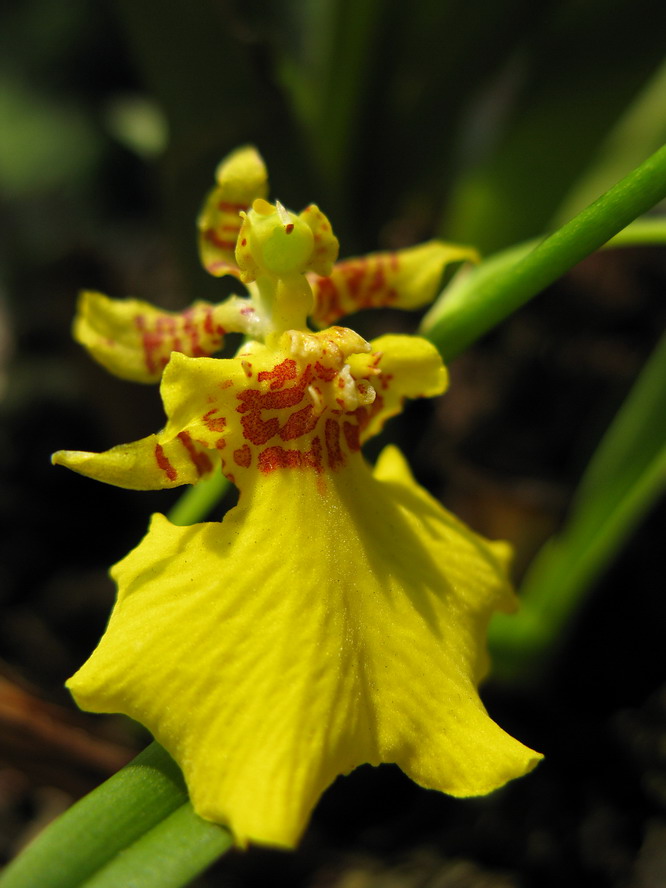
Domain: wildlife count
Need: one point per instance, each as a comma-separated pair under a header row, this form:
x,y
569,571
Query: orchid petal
x,y
326,245
147,464
241,178
403,279
269,654
134,340
398,367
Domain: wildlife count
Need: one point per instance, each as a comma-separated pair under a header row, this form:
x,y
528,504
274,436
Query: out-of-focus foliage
x,y
625,477
482,116
571,80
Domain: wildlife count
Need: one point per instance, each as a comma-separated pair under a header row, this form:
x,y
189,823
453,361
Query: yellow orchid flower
x,y
337,615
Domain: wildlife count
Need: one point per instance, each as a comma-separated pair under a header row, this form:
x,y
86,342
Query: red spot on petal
x,y
151,341
212,422
191,330
257,430
333,450
280,374
253,399
352,435
312,457
243,456
229,207
328,303
277,457
326,373
299,423
164,464
200,459
378,279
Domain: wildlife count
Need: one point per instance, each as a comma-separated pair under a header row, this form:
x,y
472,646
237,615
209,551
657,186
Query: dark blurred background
x,y
487,123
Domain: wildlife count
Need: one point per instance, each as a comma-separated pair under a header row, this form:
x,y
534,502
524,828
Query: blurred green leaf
x,y
138,123
624,478
579,73
329,48
44,142
380,90
196,65
641,129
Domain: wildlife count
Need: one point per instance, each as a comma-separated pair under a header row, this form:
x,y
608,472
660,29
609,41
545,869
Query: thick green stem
x,y
169,855
102,824
492,292
138,828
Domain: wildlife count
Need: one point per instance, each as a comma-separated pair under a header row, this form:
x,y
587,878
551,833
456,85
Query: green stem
x,y
137,829
498,288
169,855
102,824
195,504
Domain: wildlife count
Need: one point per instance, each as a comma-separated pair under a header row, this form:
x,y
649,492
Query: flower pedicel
x,y
337,615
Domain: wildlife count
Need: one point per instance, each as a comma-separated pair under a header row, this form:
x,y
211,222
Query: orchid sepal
x,y
134,340
406,279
